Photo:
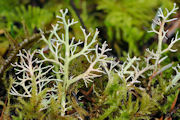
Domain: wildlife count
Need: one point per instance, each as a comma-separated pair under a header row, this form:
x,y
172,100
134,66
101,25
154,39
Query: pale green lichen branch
x,y
123,70
110,71
62,59
86,49
175,78
33,80
160,21
93,72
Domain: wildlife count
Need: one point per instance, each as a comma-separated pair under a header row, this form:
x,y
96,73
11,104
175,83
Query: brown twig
x,y
4,107
173,109
86,94
173,27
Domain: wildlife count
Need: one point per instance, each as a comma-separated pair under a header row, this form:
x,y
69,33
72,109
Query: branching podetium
x,y
36,75
33,77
